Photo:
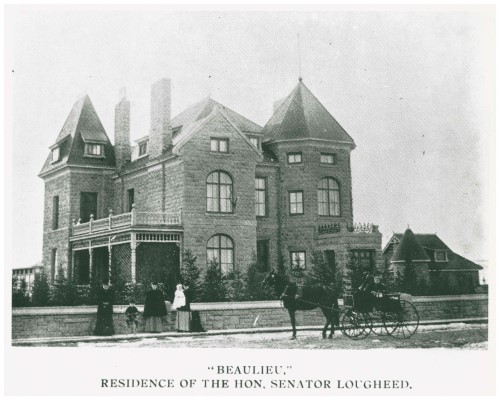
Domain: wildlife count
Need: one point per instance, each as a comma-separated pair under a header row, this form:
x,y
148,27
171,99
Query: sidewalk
x,y
128,337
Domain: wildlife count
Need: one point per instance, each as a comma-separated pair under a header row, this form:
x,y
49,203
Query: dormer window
x,y
55,154
440,255
94,150
143,148
294,158
254,141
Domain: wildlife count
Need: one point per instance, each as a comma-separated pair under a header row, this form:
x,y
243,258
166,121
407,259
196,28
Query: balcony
x,y
125,221
335,228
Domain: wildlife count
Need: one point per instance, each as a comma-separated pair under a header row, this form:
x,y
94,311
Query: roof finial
x,y
300,66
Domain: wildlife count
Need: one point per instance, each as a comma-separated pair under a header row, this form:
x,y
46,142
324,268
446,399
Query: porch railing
x,y
133,218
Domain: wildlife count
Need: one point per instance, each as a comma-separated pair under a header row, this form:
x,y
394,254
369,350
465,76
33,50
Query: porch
x,y
133,247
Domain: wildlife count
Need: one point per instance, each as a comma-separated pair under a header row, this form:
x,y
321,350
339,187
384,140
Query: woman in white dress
x,y
179,298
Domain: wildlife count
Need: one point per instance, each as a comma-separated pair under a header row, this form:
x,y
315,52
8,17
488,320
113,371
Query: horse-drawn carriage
x,y
386,314
389,314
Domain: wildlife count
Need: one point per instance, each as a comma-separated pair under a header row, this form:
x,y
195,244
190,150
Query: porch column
x,y
71,270
133,245
109,260
91,250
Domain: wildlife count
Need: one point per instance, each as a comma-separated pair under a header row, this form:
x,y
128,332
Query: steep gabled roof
x,y
82,125
456,261
409,249
204,108
193,128
302,116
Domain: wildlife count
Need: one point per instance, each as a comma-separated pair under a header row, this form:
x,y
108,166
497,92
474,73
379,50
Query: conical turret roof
x,y
302,116
81,126
409,249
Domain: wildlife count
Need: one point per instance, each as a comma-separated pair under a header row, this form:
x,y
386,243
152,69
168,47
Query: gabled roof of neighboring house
x,y
82,126
302,116
457,262
409,249
429,241
204,108
426,240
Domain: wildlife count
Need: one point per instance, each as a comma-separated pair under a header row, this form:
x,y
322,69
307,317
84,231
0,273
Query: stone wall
x,y
80,321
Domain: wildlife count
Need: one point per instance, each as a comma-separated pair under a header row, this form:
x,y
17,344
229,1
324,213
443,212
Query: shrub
x,y
59,290
236,286
20,295
324,274
253,284
213,287
191,275
41,290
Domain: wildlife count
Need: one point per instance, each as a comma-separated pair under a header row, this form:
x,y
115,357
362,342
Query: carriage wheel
x,y
403,324
355,326
378,324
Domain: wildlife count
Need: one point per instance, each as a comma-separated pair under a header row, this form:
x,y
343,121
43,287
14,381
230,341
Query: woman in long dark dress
x,y
104,324
154,309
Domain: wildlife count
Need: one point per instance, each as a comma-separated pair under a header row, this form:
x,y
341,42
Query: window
x,y
297,260
364,259
220,248
294,158
219,192
296,204
263,255
328,197
88,206
219,145
143,148
53,264
328,158
254,141
440,255
55,154
55,212
130,199
260,197
94,150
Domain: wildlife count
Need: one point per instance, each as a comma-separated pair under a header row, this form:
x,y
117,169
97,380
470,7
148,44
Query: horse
x,y
311,298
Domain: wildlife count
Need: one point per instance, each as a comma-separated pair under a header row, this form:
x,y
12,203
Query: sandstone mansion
x,y
208,180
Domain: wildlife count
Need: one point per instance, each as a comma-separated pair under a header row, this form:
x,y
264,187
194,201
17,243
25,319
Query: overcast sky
x,y
410,87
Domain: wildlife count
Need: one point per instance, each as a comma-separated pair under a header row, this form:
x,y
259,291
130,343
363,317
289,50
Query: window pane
x,y
223,146
214,145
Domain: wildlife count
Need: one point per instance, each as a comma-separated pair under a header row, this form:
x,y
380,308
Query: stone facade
x,y
161,195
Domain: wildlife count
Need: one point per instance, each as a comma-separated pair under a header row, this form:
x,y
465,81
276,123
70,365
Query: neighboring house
x,y
437,267
28,274
208,180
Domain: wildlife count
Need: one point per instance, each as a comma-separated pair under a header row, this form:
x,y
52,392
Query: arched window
x,y
221,249
328,197
219,192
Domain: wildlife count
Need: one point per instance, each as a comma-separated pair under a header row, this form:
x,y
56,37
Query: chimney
x,y
122,131
160,137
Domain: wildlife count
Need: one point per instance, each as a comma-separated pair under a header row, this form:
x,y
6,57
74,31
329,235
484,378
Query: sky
x,y
413,88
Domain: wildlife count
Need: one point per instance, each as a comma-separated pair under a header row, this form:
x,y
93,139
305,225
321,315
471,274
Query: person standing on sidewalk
x,y
154,309
104,323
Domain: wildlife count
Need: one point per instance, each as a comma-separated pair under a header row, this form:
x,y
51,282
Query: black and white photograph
x,y
248,200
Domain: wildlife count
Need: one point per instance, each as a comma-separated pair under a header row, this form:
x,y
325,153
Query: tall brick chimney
x,y
122,131
160,137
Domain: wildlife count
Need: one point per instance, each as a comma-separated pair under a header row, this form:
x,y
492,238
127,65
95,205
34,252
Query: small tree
x,y
191,275
213,287
41,290
354,270
59,293
325,274
20,295
388,276
236,285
